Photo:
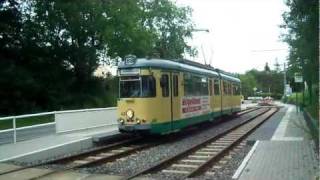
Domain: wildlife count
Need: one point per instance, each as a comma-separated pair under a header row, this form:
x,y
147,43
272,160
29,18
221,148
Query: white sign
x,y
298,79
133,71
195,106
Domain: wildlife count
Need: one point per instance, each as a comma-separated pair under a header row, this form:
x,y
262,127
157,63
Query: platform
x,y
54,145
283,150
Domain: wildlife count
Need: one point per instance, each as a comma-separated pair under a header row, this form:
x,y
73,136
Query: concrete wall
x,y
85,119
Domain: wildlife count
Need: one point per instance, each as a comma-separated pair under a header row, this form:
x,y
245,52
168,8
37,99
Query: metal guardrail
x,y
15,118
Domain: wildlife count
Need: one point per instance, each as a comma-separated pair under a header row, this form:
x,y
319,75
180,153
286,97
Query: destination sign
x,y
133,71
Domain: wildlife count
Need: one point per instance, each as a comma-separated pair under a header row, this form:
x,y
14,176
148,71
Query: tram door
x,y
170,97
175,96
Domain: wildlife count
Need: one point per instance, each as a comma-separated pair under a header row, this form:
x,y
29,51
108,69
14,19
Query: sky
x,y
243,34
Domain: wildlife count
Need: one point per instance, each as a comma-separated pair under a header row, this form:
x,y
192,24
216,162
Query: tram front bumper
x,y
134,127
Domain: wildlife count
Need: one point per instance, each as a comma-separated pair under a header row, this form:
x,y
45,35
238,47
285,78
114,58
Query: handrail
x,y
27,115
14,118
55,112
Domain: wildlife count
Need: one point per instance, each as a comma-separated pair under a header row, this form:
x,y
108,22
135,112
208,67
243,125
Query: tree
x,y
50,49
264,81
248,82
301,24
277,66
172,25
266,67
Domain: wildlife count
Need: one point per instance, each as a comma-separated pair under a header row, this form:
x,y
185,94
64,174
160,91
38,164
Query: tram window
x,y
188,85
175,85
236,90
148,86
134,87
216,87
204,87
225,88
164,82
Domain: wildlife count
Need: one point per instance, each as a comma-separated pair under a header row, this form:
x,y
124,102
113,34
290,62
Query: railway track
x,y
100,155
199,159
93,156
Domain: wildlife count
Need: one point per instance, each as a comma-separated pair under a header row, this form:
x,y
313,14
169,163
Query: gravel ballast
x,y
147,158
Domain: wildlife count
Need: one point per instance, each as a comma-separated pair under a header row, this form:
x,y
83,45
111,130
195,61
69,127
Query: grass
x,y
29,121
296,98
312,107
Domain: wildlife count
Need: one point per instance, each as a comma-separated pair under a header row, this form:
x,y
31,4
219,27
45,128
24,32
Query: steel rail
x,y
246,111
97,150
97,161
168,161
203,167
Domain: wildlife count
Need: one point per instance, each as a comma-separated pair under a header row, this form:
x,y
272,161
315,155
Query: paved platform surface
x,y
286,155
52,145
267,129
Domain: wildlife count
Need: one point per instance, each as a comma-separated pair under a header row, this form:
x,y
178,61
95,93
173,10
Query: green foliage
x,y
50,49
29,121
301,24
263,81
302,100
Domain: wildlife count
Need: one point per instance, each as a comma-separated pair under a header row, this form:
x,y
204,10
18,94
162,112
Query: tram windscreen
x,y
143,86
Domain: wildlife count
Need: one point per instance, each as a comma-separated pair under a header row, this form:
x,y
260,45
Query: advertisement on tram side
x,y
195,106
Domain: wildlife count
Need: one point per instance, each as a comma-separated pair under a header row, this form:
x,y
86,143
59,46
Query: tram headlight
x,y
121,121
130,114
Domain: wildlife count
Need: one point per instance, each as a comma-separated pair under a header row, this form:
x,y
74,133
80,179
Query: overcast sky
x,y
244,34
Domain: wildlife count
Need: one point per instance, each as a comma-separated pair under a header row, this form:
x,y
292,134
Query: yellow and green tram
x,y
160,96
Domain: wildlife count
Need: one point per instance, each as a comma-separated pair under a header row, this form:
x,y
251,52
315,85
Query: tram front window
x,y
143,86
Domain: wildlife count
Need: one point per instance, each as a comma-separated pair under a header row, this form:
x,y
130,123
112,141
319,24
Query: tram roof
x,y
176,65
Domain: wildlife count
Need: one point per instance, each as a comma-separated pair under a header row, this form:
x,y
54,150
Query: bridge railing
x,y
65,121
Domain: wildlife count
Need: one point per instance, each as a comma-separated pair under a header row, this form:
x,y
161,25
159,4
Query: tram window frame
x,y
148,85
188,85
175,85
216,87
164,83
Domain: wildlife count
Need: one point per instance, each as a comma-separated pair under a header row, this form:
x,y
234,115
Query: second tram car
x,y
160,96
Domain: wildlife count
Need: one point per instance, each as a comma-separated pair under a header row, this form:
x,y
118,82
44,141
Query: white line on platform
x,y
245,161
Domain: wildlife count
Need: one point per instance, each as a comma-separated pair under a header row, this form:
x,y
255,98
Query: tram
x,y
159,96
